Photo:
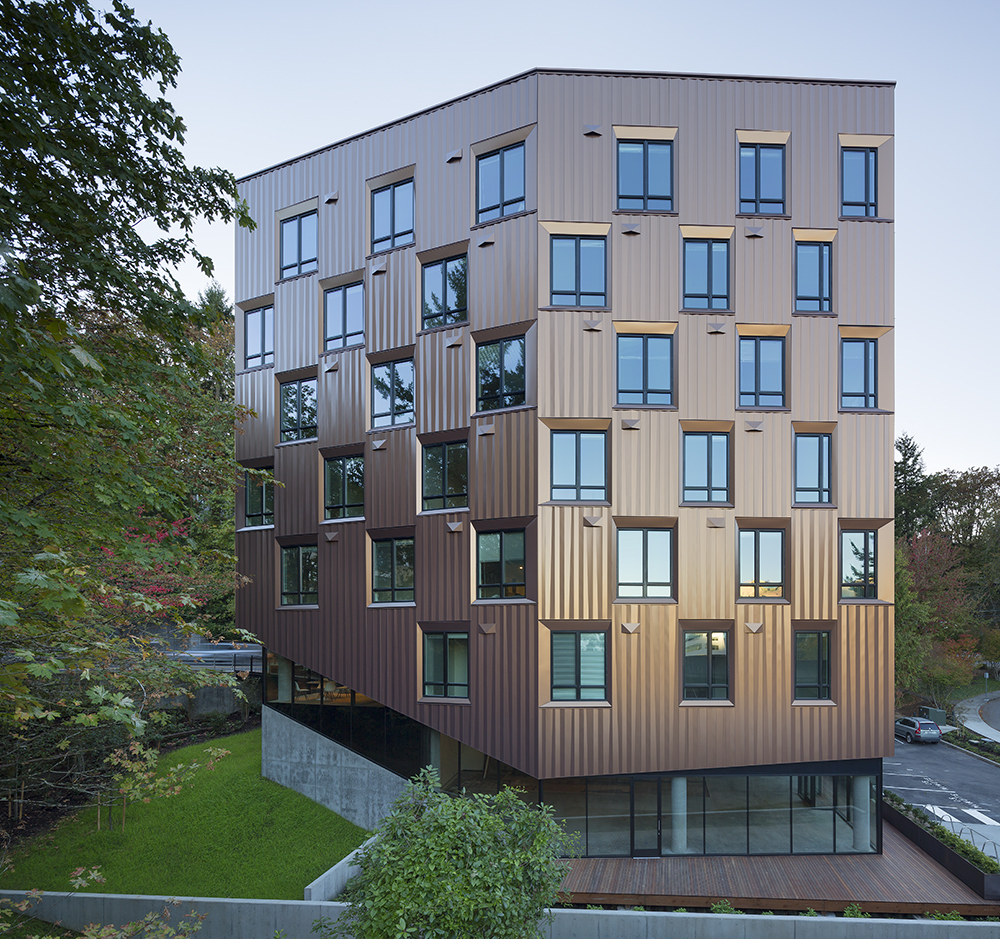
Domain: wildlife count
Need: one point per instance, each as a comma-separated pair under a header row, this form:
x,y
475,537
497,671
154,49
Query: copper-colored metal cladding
x,y
570,124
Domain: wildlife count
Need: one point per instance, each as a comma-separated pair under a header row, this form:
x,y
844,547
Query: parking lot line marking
x,y
985,819
915,789
941,813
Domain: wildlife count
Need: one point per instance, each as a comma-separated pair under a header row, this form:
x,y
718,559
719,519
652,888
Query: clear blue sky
x,y
266,81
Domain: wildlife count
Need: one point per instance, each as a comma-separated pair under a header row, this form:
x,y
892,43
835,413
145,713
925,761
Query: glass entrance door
x,y
645,817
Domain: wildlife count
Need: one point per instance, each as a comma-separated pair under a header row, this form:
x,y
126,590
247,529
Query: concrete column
x,y
862,813
678,815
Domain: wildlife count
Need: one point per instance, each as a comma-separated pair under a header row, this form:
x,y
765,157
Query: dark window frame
x,y
446,316
298,430
758,200
395,239
710,296
822,688
644,195
645,584
450,689
646,391
823,487
578,485
302,265
448,497
870,391
396,593
342,339
508,589
394,413
251,484
577,294
824,300
578,687
757,392
709,489
710,686
505,206
266,354
869,206
303,597
331,506
868,585
505,398
757,585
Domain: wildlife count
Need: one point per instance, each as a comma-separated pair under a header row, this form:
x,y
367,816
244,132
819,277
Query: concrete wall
x,y
332,775
330,883
258,919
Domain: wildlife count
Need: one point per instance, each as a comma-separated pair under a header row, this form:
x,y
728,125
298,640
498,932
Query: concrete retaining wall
x,y
342,780
258,919
329,885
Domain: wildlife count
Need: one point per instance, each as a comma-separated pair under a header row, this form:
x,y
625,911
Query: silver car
x,y
918,730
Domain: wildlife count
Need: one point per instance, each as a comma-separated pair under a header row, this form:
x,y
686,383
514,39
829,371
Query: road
x,y
948,783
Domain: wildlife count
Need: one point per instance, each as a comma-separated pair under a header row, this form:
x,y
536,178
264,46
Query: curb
x,y
970,753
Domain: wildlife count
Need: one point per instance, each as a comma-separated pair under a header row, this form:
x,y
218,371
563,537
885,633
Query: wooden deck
x,y
901,880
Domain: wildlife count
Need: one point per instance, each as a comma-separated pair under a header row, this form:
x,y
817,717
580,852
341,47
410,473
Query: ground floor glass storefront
x,y
820,808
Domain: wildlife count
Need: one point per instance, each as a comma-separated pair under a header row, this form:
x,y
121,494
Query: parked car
x,y
918,730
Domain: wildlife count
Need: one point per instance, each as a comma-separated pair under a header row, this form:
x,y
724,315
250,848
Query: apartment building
x,y
572,465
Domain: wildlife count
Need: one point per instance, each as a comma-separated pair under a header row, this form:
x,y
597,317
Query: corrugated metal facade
x,y
567,122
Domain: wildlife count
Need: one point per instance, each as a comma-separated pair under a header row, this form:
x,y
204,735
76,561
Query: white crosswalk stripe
x,y
940,813
985,819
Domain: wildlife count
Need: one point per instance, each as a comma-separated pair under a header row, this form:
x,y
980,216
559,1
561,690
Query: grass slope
x,y
233,834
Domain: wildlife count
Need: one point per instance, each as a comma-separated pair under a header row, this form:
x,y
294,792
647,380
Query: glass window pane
x,y
434,649
720,269
488,360
807,267
630,366
309,571
807,462
404,389
334,482
748,368
748,174
659,564
748,556
381,565
381,376
563,662
456,277
433,472
381,214
659,363
458,659
770,546
720,461
592,660
253,334
696,461
355,309
854,175
404,564
403,195
268,335
592,461
695,267
289,570
592,265
354,477
513,371
630,557
659,170
434,298
853,358
772,379
307,407
564,264
457,476
489,180
513,554
513,174
772,175
308,236
630,170
289,245
563,460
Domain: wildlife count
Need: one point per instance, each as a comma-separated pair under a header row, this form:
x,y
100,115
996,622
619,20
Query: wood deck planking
x,y
901,880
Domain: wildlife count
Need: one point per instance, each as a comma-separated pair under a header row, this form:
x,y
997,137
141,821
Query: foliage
x,y
106,436
235,833
948,670
809,912
953,915
914,509
443,866
854,911
989,649
940,581
724,906
912,645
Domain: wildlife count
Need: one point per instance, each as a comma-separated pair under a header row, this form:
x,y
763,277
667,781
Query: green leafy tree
x,y
443,866
105,366
914,503
911,616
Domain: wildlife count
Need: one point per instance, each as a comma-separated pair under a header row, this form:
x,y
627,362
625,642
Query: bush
x,y
724,906
445,866
854,911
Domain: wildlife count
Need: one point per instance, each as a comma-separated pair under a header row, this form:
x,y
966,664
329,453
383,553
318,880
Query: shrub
x,y
854,911
954,914
724,906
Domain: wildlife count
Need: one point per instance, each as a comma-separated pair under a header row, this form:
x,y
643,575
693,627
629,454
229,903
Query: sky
x,y
263,82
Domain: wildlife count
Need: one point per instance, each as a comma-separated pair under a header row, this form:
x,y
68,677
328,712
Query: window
x,y
706,665
259,500
259,337
579,466
578,666
298,410
857,565
500,183
344,316
500,374
858,181
812,468
858,373
578,271
645,370
298,245
762,179
813,277
646,175
645,562
706,467
299,575
706,274
501,565
392,216
392,570
344,483
444,292
446,475
446,665
762,563
762,372
392,393
812,665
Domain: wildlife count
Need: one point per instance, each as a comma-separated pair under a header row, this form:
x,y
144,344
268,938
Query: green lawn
x,y
233,834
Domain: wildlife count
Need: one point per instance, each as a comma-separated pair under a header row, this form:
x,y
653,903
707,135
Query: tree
x,y
911,616
914,505
948,670
989,648
939,580
103,361
444,866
